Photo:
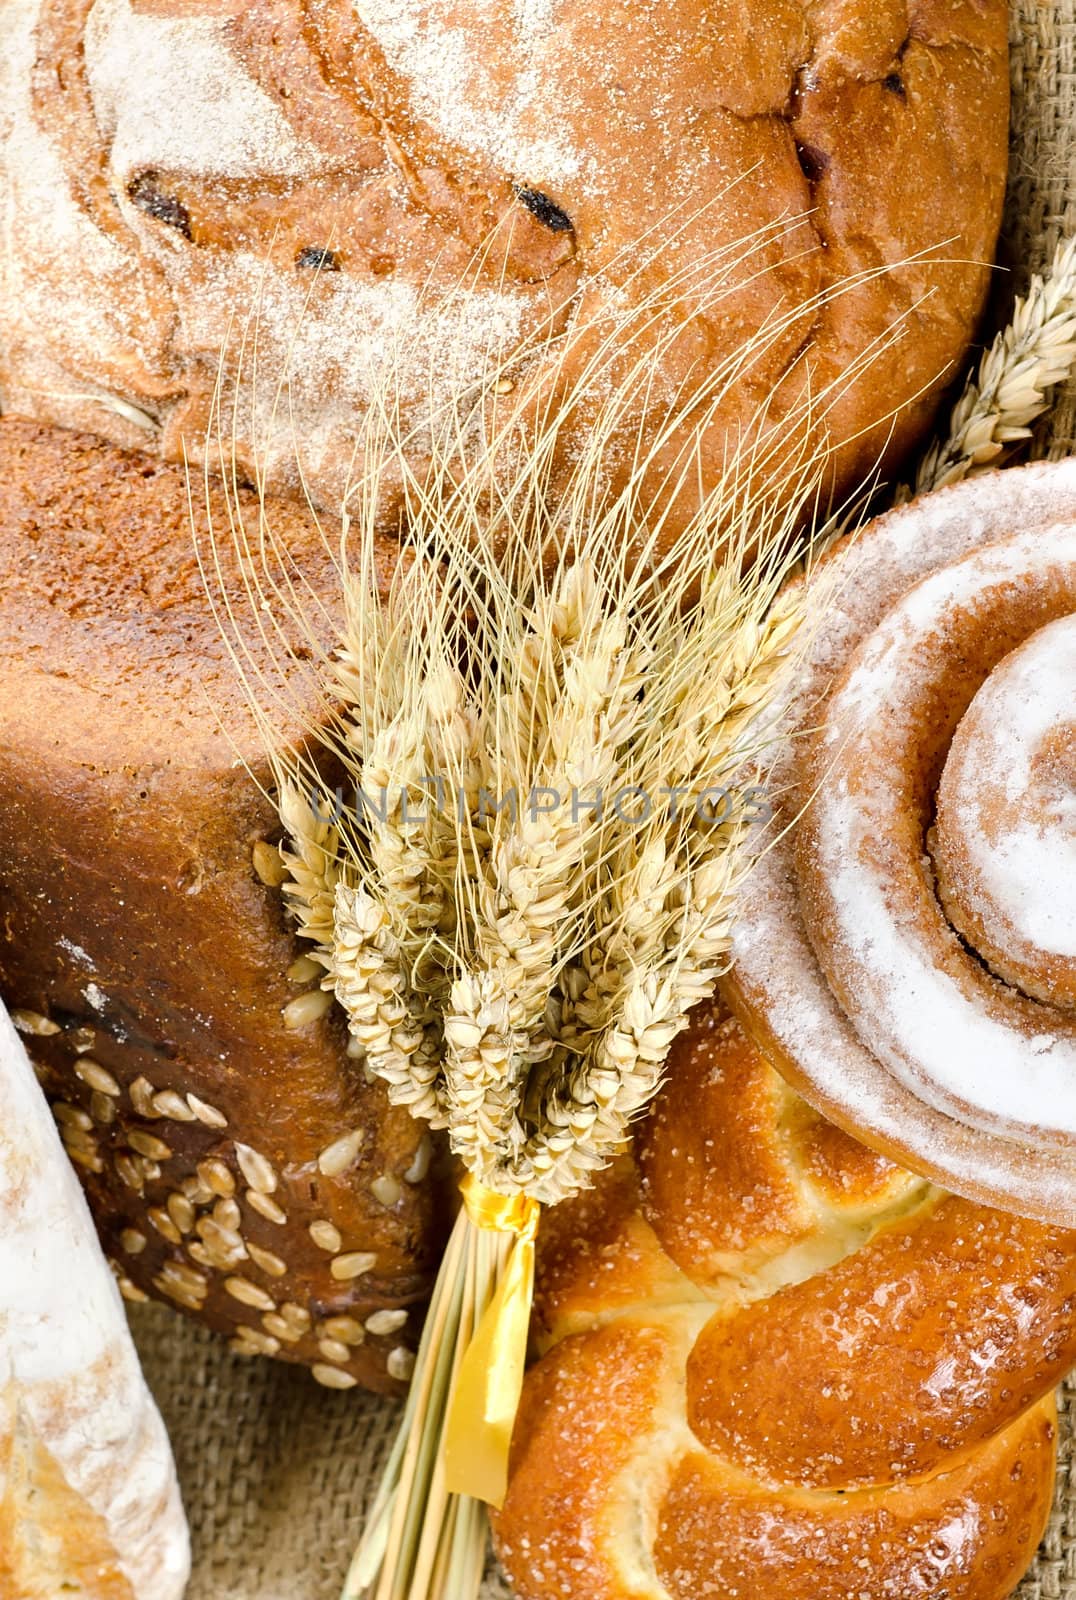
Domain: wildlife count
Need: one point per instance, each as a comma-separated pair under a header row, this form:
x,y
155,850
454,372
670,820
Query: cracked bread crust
x,y
327,164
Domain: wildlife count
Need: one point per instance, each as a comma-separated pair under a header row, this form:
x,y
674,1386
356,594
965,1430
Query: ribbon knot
x,y
478,1431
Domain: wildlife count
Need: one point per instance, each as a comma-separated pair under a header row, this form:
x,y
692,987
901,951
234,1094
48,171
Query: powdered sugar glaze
x,y
977,1092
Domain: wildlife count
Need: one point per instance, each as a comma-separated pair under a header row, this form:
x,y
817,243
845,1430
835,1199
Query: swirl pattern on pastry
x,y
906,950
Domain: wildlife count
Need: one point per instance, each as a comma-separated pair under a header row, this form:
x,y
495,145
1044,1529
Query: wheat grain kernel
x,y
164,1225
333,1350
226,1214
306,1008
273,1323
69,1116
304,969
102,1108
256,1169
88,1159
129,1172
133,1241
130,1291
218,1177
268,865
249,1294
179,1272
420,1166
263,1343
400,1363
333,1378
266,1207
167,1103
335,1159
95,1076
34,1023
352,1265
347,1330
207,1113
386,1190
141,1093
148,1145
325,1236
267,1261
298,1316
181,1212
383,1322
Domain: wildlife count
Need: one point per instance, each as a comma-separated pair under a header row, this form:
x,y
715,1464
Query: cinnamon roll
x,y
907,948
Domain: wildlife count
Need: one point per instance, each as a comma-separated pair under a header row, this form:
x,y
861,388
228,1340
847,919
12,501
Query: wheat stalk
x,y
1011,388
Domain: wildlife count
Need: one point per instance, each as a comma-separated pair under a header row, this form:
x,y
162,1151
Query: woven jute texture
x,y
276,1472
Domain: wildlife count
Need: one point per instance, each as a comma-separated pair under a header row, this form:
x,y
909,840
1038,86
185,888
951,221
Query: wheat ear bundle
x,y
546,729
1028,358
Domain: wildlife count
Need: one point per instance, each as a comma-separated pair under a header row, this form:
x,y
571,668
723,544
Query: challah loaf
x,y
905,951
425,190
88,1499
775,1364
237,1162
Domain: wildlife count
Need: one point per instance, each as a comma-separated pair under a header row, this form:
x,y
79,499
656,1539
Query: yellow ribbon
x,y
482,1411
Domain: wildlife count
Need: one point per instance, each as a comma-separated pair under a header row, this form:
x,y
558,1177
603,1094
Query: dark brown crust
x,y
874,134
131,907
846,1390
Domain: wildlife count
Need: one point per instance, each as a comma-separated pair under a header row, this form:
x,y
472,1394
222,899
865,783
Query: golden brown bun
x,y
144,952
776,1364
337,168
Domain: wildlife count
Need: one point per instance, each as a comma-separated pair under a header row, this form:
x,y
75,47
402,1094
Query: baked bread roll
x,y
907,951
775,1364
432,189
237,1162
89,1504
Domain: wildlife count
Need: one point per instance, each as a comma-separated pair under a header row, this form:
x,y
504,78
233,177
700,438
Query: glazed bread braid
x,y
238,1163
907,950
428,189
775,1364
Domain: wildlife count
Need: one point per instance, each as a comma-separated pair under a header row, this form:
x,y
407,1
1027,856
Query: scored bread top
x,y
426,190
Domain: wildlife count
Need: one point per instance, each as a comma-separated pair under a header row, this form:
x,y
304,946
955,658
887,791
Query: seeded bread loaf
x,y
829,171
237,1162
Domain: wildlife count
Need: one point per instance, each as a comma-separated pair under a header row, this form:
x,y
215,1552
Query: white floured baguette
x,y
89,1504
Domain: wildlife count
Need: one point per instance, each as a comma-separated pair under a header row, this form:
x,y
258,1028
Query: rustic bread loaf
x,y
237,1162
89,1504
775,1364
427,188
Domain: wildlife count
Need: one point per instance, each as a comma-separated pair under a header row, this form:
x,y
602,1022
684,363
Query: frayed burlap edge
x,y
276,1472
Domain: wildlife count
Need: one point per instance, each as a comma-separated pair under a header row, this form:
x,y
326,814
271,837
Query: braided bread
x,y
776,1364
438,187
906,952
238,1163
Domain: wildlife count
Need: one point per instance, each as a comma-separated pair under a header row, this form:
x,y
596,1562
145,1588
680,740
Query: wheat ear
x,y
1011,388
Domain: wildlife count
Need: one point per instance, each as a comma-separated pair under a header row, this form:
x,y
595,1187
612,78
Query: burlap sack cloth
x,y
276,1471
